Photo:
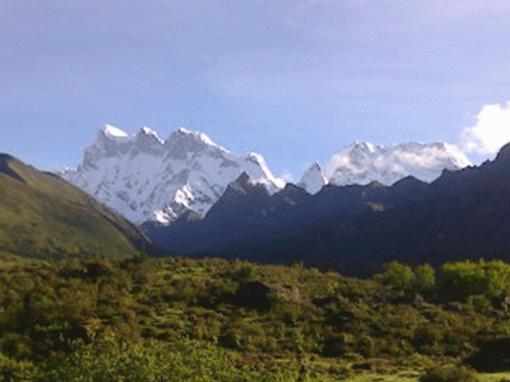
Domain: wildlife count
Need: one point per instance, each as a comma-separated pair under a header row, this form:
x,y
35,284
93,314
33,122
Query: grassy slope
x,y
413,376
43,216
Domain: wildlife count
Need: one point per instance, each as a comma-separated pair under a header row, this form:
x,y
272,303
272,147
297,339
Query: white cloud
x,y
286,176
492,130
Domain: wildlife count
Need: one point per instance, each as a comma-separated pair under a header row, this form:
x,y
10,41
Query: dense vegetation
x,y
183,319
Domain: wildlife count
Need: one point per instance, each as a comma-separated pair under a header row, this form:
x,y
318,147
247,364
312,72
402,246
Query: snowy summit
x,y
146,178
363,162
313,179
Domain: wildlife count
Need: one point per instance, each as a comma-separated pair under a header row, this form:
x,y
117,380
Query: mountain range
x,y
146,178
461,213
368,205
362,163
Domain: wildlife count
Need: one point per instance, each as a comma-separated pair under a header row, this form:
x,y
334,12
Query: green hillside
x,y
43,216
179,319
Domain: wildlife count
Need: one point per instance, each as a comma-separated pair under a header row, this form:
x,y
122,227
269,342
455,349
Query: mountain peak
x,y
408,181
315,167
5,158
195,135
5,168
363,146
242,183
313,179
375,184
503,154
243,179
363,162
146,131
146,178
113,132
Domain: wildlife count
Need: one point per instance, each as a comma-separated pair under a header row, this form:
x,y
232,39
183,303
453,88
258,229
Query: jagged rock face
x,y
146,178
362,163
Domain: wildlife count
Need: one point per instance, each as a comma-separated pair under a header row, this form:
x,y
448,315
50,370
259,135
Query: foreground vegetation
x,y
183,319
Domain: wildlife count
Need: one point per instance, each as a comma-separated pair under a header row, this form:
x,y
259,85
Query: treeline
x,y
181,319
481,281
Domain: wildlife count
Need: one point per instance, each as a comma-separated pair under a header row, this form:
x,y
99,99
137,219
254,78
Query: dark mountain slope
x,y
43,216
246,217
463,213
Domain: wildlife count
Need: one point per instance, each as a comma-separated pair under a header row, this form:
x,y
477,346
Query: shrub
x,y
425,277
19,371
245,271
449,374
478,303
337,345
466,278
398,275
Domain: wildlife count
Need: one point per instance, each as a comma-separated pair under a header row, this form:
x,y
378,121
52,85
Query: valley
x,y
252,279
254,191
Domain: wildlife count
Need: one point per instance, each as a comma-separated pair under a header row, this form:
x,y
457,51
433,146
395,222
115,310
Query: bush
x,y
467,278
398,275
13,370
425,277
245,271
113,361
449,374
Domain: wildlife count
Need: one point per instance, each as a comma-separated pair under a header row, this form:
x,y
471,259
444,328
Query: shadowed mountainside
x,y
463,213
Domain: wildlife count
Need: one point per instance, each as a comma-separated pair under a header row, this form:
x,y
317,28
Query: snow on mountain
x,y
114,133
313,179
363,162
146,178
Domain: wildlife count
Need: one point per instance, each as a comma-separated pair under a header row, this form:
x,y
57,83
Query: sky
x,y
293,80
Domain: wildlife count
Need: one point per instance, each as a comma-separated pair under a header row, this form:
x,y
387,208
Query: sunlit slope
x,y
43,216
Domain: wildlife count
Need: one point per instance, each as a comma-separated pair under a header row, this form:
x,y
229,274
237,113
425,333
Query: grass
x,y
413,375
494,377
43,216
409,376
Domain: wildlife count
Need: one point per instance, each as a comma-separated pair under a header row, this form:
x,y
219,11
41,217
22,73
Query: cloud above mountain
x,y
491,131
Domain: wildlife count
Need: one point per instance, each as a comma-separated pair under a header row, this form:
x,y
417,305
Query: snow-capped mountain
x,y
313,179
363,162
146,178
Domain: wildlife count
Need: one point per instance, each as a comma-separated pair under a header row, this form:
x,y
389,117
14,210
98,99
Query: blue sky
x,y
292,80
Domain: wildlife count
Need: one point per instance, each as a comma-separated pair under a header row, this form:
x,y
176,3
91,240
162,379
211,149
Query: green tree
x,y
398,274
425,277
463,279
